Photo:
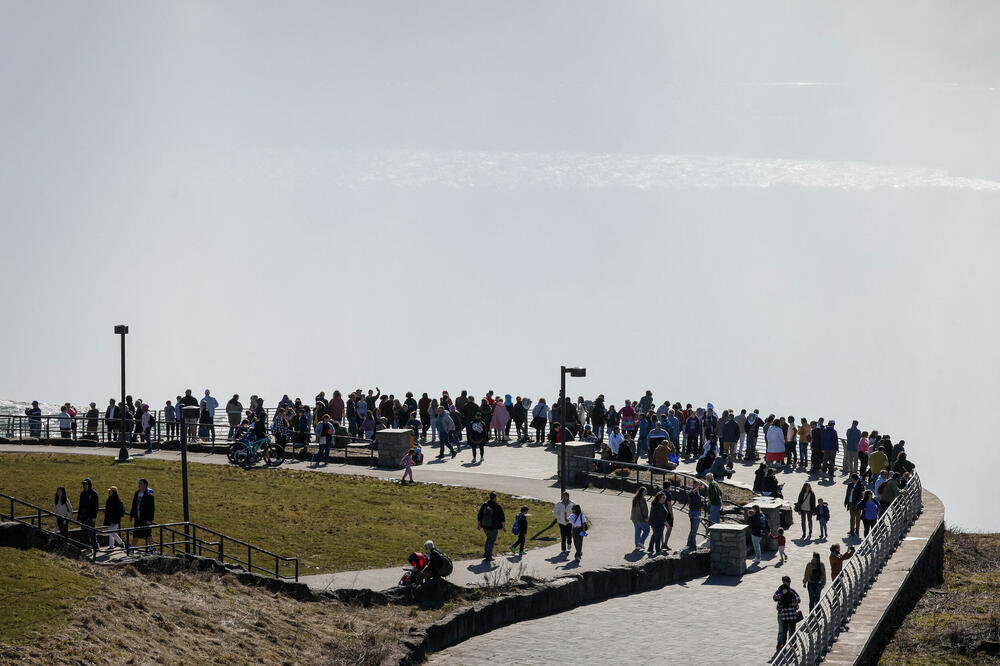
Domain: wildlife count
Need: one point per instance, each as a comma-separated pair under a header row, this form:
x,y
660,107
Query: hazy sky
x,y
786,206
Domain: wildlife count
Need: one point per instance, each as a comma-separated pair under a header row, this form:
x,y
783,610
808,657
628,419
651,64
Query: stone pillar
x,y
772,508
578,469
729,548
393,443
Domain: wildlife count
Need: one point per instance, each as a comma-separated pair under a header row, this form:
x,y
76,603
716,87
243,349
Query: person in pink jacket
x,y
499,421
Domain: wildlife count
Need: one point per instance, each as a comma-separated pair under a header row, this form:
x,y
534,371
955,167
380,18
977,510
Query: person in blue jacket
x,y
830,445
34,415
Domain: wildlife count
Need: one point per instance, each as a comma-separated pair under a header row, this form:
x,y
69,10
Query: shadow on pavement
x,y
482,567
726,581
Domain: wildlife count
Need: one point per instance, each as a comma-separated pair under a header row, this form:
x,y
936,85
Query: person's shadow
x,y
635,555
572,564
481,567
561,557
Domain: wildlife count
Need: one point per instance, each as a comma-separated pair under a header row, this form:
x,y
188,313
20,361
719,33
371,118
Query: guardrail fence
x,y
818,629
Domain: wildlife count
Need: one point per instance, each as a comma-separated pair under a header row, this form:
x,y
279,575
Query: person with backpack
x,y
520,530
436,564
788,610
114,509
491,520
814,579
759,528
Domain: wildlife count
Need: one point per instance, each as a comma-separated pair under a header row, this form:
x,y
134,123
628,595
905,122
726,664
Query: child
x,y
780,538
414,424
823,515
520,529
407,463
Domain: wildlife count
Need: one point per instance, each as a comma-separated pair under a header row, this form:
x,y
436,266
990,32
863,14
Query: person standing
x,y
753,433
869,514
814,579
170,418
578,521
831,444
714,499
63,510
93,416
114,509
188,407
816,445
837,560
851,448
444,426
759,529
598,420
234,413
211,403
561,511
788,610
854,502
658,522
694,513
741,423
324,437
863,448
805,432
491,521
34,414
499,420
65,422
640,517
87,511
143,513
806,506
730,436
775,441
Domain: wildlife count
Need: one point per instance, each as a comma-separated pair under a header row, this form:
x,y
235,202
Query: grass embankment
x,y
957,622
61,611
331,522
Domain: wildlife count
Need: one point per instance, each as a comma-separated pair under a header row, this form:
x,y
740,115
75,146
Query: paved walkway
x,y
711,620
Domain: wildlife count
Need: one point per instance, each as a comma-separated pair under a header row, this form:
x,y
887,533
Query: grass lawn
x,y
331,522
61,611
37,590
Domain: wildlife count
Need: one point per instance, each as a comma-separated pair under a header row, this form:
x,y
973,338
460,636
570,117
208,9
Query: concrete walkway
x,y
712,620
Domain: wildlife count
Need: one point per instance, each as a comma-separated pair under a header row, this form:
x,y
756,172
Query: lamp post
x,y
572,372
184,474
122,330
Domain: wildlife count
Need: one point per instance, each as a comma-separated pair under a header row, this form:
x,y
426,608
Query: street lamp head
x,y
577,372
121,329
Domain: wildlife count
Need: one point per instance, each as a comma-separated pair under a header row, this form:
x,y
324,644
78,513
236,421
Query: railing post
x,y
249,559
222,554
296,569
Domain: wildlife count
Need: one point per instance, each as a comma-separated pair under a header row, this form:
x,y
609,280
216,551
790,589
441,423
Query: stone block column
x,y
578,469
729,548
393,443
772,508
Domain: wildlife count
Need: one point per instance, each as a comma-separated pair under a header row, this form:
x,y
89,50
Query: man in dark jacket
x,y
598,418
143,512
87,509
730,435
816,446
854,502
831,444
490,520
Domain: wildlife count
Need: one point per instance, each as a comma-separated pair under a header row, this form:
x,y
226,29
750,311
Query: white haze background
x,y
786,206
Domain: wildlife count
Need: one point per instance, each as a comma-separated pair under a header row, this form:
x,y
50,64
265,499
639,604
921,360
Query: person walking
x,y
142,513
491,520
87,511
63,510
714,499
806,506
854,502
640,517
694,514
578,521
114,509
788,610
407,463
814,579
561,511
444,426
869,512
657,521
520,530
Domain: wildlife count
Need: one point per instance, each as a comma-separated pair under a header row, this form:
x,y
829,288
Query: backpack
x,y
516,529
446,565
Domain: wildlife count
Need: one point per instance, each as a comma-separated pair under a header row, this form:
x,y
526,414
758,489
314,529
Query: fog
x,y
792,207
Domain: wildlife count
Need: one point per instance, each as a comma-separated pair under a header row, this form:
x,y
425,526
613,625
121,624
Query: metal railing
x,y
817,631
177,537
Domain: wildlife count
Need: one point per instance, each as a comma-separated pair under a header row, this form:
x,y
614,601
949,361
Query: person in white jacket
x,y
775,444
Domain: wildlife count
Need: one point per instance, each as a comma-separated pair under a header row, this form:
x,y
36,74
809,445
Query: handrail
x,y
182,534
817,631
